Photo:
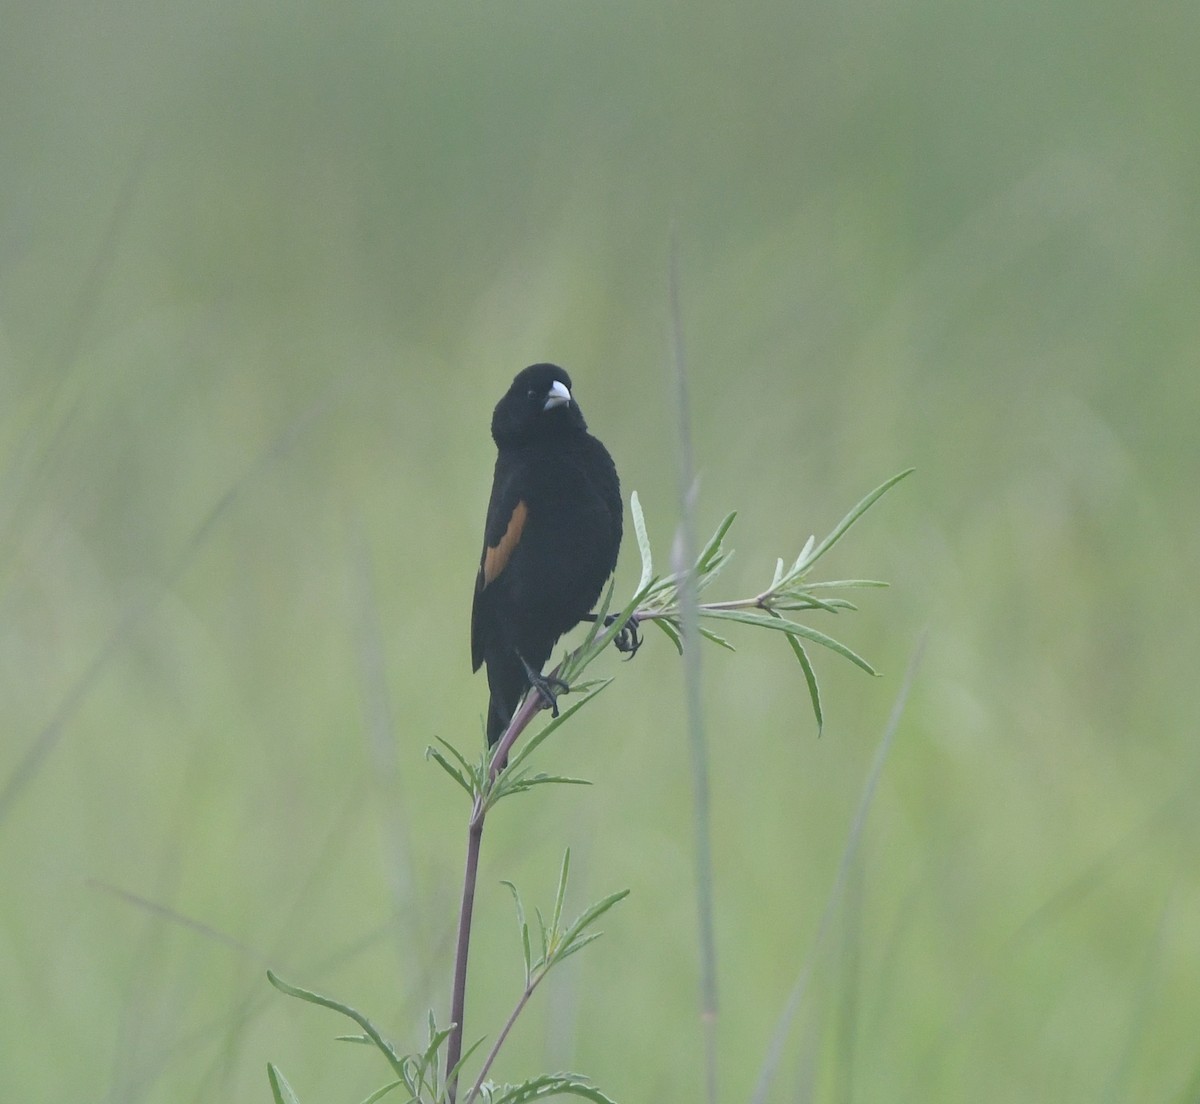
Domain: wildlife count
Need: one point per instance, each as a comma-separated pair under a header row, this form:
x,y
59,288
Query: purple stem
x,y
458,998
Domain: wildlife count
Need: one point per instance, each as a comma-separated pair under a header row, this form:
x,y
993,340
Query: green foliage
x,y
555,942
419,1073
280,1089
542,1088
370,1031
657,599
264,266
486,782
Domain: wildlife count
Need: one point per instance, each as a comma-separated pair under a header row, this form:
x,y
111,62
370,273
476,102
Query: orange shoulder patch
x,y
495,559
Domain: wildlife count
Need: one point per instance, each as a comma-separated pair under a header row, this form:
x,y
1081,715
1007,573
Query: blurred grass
x,y
294,257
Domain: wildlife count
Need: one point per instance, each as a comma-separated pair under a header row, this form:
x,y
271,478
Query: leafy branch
x,y
418,1073
658,600
500,772
556,943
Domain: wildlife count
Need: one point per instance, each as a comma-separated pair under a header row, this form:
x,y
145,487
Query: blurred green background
x,y
265,269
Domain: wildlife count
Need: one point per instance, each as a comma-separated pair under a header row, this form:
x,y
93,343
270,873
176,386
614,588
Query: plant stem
x,y
458,997
512,1019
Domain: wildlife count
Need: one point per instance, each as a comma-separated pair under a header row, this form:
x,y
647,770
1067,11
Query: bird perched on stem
x,y
550,541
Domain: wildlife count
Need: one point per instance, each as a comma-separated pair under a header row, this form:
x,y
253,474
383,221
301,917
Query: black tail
x,y
507,682
497,720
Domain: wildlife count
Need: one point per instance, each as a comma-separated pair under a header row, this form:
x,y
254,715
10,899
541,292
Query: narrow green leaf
x,y
840,529
591,914
372,1032
810,676
380,1093
781,624
803,600
720,560
601,614
527,782
778,574
714,542
433,753
668,627
523,926
660,592
280,1089
467,766
561,893
427,1067
576,945
547,1085
802,559
715,638
353,1039
458,1066
709,573
585,1092
588,685
408,1068
840,583
643,541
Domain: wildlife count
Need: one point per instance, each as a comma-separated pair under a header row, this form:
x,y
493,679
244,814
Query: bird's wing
x,y
506,517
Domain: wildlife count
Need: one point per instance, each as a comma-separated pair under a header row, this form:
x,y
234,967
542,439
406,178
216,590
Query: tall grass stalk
x,y
694,711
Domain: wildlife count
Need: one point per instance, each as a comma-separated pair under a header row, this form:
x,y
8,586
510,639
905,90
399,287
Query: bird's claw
x,y
548,686
628,640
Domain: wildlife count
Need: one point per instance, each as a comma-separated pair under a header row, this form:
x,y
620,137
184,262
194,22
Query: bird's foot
x,y
628,639
548,686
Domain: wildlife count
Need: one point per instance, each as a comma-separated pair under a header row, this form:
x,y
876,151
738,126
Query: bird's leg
x,y
549,686
628,639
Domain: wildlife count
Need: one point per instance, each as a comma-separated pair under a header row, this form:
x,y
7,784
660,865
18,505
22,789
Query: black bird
x,y
551,538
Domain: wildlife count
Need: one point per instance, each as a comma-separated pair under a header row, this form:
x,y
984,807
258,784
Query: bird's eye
x,y
531,395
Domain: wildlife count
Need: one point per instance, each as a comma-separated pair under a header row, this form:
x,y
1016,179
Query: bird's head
x,y
538,406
